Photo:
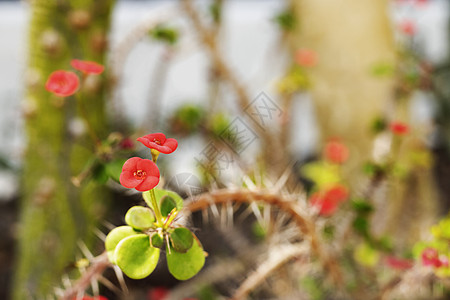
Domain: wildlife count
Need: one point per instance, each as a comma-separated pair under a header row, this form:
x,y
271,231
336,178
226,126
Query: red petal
x,y
88,67
62,83
128,180
131,164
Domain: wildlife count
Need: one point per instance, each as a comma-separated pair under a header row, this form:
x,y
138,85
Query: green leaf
x,y
114,168
286,20
185,265
160,193
99,173
182,239
157,240
140,217
167,205
366,255
165,34
114,237
322,174
362,206
135,257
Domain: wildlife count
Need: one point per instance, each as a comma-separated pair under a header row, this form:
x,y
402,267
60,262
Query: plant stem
x,y
159,217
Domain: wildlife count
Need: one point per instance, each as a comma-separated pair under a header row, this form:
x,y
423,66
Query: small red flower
x,y
305,58
399,263
87,67
329,200
93,298
138,173
126,144
158,293
336,151
62,83
399,128
430,257
159,142
407,27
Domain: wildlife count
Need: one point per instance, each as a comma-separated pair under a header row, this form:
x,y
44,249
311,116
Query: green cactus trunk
x,y
55,214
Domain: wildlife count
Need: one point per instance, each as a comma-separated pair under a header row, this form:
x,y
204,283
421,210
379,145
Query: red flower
x,y
399,128
159,142
336,151
138,173
328,201
305,58
430,257
158,293
87,67
126,144
62,83
399,263
408,27
93,298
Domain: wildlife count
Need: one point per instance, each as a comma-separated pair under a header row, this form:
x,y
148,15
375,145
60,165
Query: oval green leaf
x,y
185,265
114,237
139,217
157,241
182,239
167,205
135,257
160,193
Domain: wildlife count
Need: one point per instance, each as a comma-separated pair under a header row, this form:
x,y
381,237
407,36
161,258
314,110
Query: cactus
x,y
55,214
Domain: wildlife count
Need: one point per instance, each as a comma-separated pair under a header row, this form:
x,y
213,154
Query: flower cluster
x,y
327,201
431,257
66,83
143,174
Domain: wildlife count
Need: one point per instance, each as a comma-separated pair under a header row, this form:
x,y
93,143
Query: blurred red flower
x,y
159,142
126,144
399,263
138,173
93,298
430,257
407,27
336,151
328,201
399,128
62,83
87,67
305,58
158,293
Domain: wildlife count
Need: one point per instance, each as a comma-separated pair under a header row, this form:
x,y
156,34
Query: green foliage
x,y
187,119
140,218
185,265
286,20
136,248
167,205
114,237
181,239
166,34
114,168
322,173
136,257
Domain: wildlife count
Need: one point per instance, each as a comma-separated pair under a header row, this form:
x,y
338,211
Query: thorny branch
x,y
305,225
209,41
98,266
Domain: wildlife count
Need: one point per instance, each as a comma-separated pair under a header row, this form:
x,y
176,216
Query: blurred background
x,y
266,84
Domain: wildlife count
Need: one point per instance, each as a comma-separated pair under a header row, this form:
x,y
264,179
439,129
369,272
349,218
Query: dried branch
x,y
208,39
277,257
289,206
96,269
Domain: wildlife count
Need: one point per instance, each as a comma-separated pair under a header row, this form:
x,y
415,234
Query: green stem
x,y
158,215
